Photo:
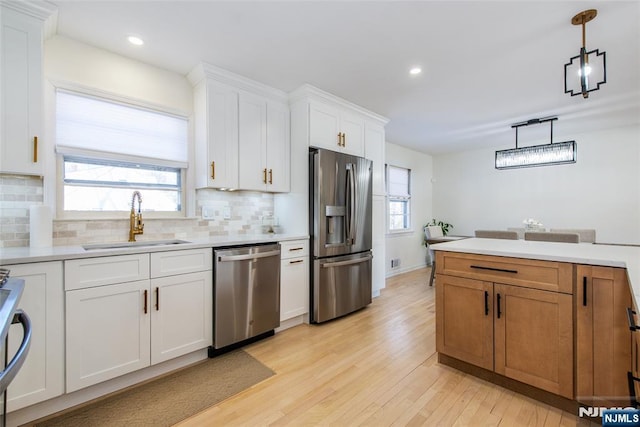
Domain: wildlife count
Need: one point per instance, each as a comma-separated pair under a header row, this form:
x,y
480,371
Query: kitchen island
x,y
546,319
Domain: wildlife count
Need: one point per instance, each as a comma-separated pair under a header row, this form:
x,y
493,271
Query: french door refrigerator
x,y
340,224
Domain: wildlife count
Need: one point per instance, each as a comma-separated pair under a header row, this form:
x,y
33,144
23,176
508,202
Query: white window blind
x,y
398,198
95,127
397,181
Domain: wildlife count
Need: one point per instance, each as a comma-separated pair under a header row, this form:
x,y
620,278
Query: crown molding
x,y
211,72
308,92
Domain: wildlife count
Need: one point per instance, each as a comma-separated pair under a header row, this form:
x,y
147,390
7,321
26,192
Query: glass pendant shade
x,y
537,155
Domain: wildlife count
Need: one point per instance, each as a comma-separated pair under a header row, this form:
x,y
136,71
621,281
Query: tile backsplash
x,y
17,193
227,213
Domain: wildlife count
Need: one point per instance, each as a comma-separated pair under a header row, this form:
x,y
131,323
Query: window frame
x,y
58,194
391,198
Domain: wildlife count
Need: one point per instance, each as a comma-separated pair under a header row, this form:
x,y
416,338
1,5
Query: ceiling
x,y
486,64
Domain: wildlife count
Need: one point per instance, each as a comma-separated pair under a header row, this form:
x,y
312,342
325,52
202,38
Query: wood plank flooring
x,y
376,367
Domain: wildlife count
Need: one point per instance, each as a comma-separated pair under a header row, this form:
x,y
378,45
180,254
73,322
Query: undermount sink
x,y
133,244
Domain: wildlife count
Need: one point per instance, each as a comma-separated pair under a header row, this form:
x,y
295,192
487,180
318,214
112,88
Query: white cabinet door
x,y
294,278
21,93
324,126
181,315
353,130
107,332
374,151
216,135
253,174
278,148
42,375
294,287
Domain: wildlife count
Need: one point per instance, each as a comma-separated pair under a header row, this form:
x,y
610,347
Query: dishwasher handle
x,y
245,257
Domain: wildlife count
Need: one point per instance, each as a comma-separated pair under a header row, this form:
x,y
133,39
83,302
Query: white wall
x,y
601,190
67,60
74,65
408,247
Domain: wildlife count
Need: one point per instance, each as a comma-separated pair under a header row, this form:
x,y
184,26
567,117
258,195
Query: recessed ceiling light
x,y
135,40
415,70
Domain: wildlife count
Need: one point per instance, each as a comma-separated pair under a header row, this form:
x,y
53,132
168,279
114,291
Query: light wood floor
x,y
376,367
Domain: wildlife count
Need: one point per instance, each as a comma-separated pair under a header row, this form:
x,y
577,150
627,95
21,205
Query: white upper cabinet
x,y
331,122
264,144
21,97
216,135
241,132
335,129
278,147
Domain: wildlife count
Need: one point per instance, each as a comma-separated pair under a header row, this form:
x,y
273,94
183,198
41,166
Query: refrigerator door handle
x,y
348,262
351,203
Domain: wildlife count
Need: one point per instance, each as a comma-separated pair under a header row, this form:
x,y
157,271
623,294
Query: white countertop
x,y
58,253
582,253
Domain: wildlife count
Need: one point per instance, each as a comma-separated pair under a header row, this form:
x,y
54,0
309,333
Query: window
x,y
109,149
398,198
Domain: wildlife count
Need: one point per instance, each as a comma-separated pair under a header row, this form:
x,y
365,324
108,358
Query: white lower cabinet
x,y
108,332
294,278
117,328
181,315
42,374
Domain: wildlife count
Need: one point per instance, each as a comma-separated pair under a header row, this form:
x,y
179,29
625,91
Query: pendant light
x,y
585,72
537,155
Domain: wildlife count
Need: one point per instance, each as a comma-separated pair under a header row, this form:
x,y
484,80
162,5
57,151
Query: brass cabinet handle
x,y
339,139
295,249
146,295
270,176
213,170
35,149
344,139
157,298
264,175
298,261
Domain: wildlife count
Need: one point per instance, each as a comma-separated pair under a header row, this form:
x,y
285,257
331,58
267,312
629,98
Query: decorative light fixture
x,y
537,155
590,68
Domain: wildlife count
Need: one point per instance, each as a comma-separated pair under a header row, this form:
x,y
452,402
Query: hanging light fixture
x,y
537,155
587,71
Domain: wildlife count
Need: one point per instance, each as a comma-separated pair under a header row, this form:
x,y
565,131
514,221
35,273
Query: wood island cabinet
x,y
603,338
507,315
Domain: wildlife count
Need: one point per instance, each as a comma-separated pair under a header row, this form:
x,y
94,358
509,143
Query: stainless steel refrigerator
x,y
340,224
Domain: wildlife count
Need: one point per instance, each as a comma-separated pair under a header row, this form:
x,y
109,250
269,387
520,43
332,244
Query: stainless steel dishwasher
x,y
246,293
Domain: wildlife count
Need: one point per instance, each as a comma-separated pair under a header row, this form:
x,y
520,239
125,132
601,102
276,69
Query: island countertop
x,y
582,253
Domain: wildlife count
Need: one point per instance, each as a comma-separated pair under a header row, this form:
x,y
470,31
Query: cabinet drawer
x,y
91,272
545,275
180,262
294,249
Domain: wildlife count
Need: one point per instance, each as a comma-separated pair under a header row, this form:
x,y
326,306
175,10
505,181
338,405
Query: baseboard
x,y
405,270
